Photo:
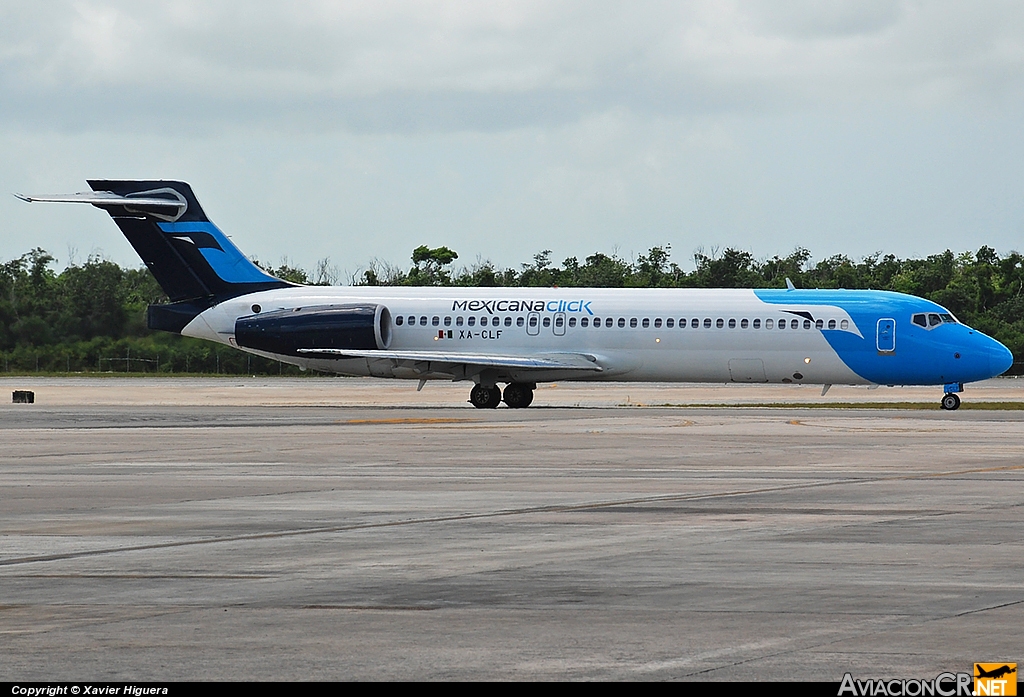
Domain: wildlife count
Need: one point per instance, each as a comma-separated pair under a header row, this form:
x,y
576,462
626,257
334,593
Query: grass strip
x,y
929,406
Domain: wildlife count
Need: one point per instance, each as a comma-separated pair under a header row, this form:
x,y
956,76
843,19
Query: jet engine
x,y
361,327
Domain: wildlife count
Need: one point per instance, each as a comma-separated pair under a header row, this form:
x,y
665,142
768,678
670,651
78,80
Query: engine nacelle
x,y
284,332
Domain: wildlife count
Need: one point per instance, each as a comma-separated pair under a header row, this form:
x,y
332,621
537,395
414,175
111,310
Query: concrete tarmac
x,y
331,529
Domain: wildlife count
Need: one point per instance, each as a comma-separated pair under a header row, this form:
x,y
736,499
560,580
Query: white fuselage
x,y
736,338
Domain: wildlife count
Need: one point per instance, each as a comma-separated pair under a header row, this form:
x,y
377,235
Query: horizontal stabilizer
x,y
547,361
167,202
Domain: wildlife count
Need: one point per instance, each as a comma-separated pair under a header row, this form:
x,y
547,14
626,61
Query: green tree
x,y
429,266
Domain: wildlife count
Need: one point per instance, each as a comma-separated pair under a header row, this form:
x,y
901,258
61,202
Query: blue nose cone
x,y
999,358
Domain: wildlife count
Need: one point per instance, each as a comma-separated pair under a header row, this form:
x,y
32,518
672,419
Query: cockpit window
x,y
930,320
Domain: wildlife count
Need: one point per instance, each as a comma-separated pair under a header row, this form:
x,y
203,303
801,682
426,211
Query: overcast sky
x,y
357,130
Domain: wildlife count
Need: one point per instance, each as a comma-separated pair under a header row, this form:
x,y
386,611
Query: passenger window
x,y
694,323
768,324
520,321
632,323
584,322
508,321
436,321
831,324
572,321
559,321
757,324
458,321
533,321
646,323
657,322
412,321
845,324
732,323
547,321
707,323
471,321
720,323
807,323
743,324
447,321
819,324
399,320
622,322
782,324
423,321
669,323
608,321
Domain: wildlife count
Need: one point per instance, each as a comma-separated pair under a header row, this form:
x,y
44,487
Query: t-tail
x,y
195,263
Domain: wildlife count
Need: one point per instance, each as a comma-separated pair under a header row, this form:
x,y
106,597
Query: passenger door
x,y
885,338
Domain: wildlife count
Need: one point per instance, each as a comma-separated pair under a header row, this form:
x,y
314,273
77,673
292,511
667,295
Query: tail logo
x,y
162,193
199,239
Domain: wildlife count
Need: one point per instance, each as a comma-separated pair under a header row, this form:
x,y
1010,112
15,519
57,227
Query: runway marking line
x,y
852,429
438,420
387,608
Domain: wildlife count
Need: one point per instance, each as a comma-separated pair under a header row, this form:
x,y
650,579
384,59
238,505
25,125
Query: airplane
x,y
523,336
994,673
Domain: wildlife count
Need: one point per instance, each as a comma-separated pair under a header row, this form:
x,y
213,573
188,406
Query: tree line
x,y
91,317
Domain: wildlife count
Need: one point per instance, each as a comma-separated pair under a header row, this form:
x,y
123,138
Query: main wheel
x,y
517,395
950,401
485,397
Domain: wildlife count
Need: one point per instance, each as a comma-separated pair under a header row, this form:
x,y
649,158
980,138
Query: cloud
x,y
364,129
448,66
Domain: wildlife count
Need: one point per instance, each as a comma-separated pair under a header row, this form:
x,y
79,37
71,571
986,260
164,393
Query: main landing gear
x,y
517,395
485,397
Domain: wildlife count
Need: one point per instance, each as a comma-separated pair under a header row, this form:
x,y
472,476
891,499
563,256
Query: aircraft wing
x,y
545,361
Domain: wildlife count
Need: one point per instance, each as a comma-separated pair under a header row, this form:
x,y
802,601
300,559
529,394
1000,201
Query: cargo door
x,y
747,370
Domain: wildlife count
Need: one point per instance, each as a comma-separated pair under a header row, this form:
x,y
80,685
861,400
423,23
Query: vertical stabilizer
x,y
188,255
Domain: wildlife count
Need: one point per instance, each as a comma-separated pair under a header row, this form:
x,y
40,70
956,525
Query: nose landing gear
x,y
950,400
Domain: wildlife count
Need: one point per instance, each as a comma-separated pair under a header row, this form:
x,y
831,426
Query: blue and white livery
x,y
521,336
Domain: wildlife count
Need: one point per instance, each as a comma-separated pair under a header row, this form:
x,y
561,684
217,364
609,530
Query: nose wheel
x,y
950,402
485,397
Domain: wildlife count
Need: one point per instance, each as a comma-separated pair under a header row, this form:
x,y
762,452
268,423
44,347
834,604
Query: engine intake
x,y
361,327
